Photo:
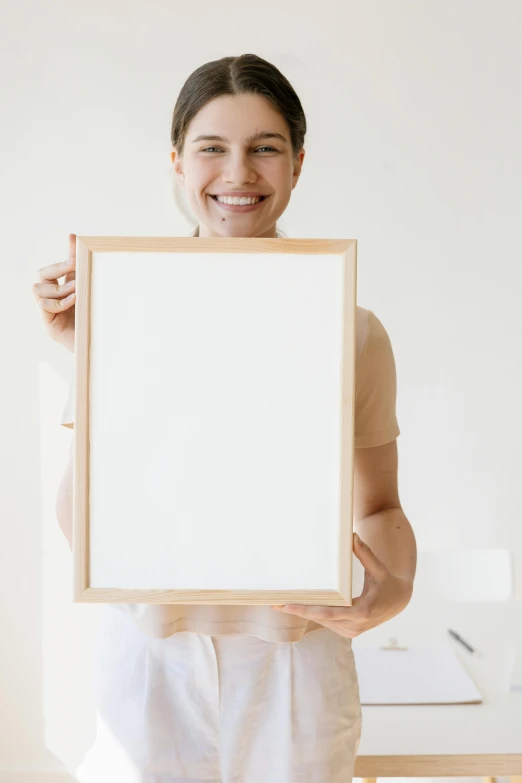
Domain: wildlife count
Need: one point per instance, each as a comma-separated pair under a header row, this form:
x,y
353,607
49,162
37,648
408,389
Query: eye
x,y
272,149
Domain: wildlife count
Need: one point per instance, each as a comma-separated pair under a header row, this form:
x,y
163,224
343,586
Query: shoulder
x,y
371,339
361,324
375,383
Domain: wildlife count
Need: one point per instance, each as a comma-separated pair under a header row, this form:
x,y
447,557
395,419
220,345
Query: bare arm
x,y
64,498
378,516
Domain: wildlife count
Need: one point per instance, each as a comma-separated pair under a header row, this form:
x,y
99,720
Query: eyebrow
x,y
249,139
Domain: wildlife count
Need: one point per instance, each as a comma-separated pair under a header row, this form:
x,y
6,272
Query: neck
x,y
203,231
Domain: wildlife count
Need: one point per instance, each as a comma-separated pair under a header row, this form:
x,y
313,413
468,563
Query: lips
x,y
239,209
259,196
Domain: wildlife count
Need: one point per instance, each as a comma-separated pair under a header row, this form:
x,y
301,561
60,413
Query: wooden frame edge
x,y
347,413
215,244
82,591
218,597
81,553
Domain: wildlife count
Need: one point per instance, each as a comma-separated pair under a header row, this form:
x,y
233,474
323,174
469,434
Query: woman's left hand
x,y
384,595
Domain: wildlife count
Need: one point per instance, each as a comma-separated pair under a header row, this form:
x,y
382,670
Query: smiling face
x,y
237,165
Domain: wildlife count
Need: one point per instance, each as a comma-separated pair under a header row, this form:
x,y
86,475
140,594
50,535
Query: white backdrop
x,y
413,149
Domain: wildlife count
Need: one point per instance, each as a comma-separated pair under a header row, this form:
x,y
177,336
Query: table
x,y
450,740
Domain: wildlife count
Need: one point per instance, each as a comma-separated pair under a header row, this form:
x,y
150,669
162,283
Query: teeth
x,y
237,200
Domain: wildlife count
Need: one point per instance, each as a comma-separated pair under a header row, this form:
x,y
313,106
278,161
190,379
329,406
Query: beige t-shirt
x,y
375,424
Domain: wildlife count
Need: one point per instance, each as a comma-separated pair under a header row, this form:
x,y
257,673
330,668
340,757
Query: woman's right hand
x,y
57,302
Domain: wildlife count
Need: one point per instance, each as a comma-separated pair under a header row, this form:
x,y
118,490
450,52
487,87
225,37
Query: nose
x,y
239,169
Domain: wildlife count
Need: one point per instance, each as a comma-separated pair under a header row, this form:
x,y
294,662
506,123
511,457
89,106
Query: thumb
x,y
367,557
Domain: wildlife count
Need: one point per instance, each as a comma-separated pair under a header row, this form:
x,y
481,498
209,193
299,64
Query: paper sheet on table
x,y
418,675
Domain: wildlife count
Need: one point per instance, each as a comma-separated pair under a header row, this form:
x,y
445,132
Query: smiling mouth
x,y
261,198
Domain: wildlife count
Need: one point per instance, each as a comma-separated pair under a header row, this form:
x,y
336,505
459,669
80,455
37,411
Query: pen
x,y
465,644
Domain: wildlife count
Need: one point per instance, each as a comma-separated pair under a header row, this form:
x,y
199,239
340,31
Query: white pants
x,y
222,709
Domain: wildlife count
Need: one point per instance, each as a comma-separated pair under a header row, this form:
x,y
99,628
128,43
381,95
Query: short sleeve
x,y
375,387
67,418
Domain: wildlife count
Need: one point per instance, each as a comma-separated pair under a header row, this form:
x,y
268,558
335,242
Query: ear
x,y
297,167
177,164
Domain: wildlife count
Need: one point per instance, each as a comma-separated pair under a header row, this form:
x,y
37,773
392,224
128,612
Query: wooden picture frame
x,y
214,344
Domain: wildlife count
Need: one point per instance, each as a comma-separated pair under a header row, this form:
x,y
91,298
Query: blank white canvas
x,y
215,395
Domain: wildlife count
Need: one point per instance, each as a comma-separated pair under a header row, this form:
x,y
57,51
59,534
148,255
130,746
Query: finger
x,y
51,273
53,290
72,246
57,305
71,273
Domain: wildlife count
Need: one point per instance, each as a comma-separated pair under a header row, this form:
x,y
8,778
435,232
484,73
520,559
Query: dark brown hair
x,y
246,73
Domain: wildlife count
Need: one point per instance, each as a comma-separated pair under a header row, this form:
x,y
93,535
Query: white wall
x,y
413,148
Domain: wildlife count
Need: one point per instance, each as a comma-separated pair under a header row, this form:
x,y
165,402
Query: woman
x,y
245,694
